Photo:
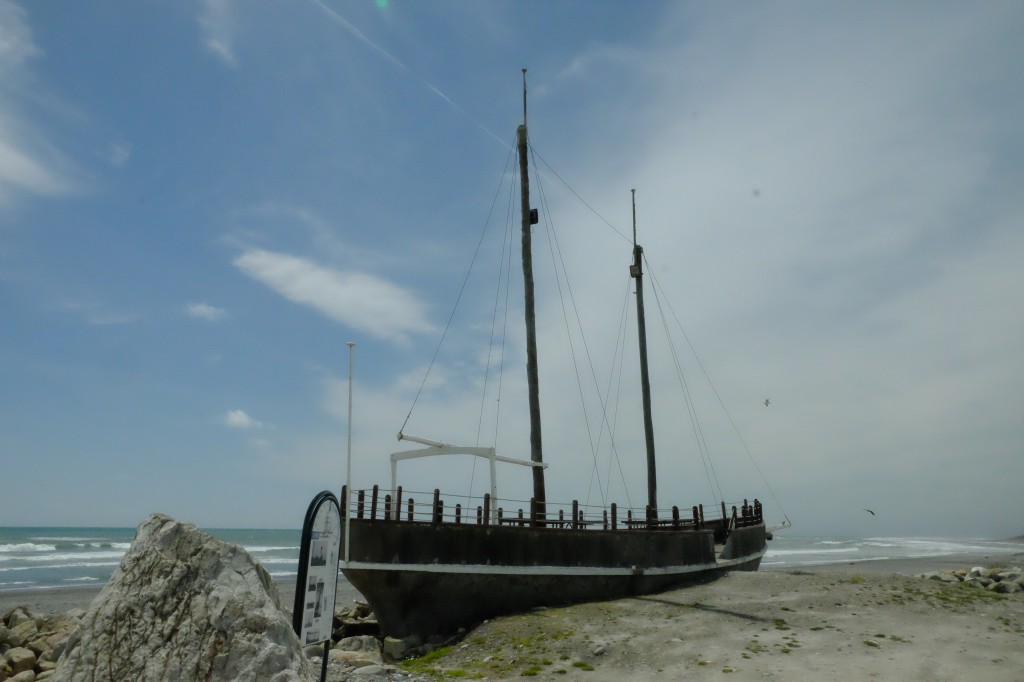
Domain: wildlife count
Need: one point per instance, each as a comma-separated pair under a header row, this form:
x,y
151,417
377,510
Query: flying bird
x,y
871,512
767,401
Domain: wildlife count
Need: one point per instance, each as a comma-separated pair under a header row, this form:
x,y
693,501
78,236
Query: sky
x,y
202,203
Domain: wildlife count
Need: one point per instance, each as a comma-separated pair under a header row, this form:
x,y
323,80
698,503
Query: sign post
x,y
317,581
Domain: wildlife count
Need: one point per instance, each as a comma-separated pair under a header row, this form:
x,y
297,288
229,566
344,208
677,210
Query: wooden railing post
x,y
438,509
373,504
360,504
615,517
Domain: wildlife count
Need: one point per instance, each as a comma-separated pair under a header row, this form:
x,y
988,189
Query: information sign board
x,y
317,581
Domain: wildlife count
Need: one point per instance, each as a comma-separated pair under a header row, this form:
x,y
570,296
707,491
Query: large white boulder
x,y
184,605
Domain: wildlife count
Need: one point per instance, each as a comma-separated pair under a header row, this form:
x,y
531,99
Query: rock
x,y
396,649
1005,587
24,632
8,638
17,616
368,670
313,650
184,605
972,582
361,643
27,676
354,659
599,650
20,659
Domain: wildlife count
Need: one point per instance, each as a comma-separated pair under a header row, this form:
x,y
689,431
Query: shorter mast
x,y
636,272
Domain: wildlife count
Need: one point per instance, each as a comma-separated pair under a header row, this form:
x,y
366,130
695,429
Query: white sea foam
x,y
77,564
84,579
68,556
791,552
27,547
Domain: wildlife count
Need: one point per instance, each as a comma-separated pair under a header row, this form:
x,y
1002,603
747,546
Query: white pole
x,y
348,462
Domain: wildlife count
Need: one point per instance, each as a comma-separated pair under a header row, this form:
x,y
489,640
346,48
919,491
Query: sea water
x,y
47,558
793,551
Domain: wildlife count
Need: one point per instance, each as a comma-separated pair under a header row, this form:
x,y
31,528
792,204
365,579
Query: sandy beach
x,y
868,620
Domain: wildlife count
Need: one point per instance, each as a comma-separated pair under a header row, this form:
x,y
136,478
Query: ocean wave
x,y
790,552
65,538
259,548
80,564
279,560
84,579
27,547
67,556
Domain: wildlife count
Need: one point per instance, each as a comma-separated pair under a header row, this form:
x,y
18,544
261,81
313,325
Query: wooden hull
x,y
423,579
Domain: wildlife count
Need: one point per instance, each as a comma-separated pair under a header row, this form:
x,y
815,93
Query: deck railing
x,y
400,506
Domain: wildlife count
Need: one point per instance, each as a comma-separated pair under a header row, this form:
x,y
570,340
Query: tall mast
x,y
636,271
529,219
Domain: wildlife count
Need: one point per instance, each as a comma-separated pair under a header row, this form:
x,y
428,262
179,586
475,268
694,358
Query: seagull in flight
x,y
767,402
870,512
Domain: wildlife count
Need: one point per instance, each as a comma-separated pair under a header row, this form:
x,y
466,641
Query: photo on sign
x,y
319,599
312,584
318,553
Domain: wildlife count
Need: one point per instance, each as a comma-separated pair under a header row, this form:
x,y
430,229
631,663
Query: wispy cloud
x,y
119,153
216,24
362,301
205,311
28,163
97,314
362,37
238,419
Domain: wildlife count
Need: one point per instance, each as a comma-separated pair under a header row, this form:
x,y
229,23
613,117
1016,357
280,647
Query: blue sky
x,y
201,203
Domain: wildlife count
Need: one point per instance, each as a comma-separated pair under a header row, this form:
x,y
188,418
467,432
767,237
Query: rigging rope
x,y
504,274
458,300
735,429
558,260
698,431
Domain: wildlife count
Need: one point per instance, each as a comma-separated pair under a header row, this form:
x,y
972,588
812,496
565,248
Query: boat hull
x,y
426,580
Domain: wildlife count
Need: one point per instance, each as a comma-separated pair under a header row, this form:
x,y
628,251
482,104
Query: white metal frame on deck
x,y
435,448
